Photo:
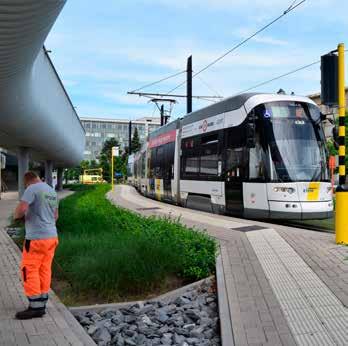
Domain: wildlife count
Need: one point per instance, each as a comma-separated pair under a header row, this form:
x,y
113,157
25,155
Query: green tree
x,y
93,164
107,146
75,172
85,164
105,158
331,148
135,141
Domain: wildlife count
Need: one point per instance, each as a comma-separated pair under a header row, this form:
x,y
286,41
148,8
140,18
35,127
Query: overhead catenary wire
x,y
279,77
159,81
209,86
151,95
287,11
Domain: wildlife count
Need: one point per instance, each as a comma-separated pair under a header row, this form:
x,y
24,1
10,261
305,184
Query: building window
x,y
110,135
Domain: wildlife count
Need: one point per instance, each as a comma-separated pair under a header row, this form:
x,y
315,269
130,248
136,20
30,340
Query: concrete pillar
x,y
48,172
23,167
60,179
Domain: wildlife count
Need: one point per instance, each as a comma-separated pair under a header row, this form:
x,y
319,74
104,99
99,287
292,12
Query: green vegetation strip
x,y
109,251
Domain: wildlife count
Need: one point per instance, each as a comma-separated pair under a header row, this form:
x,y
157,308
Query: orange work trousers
x,y
36,265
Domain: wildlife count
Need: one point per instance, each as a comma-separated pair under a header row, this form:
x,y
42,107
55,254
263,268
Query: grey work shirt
x,y
40,220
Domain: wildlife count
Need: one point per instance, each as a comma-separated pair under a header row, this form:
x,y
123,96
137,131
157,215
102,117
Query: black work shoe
x,y
30,313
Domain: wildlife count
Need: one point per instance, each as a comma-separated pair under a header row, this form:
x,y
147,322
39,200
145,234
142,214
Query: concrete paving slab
x,y
65,331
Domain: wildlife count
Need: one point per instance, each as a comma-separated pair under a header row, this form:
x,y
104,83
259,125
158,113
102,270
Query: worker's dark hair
x,y
30,176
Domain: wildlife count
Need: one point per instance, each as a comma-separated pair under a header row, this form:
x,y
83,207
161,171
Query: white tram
x,y
252,155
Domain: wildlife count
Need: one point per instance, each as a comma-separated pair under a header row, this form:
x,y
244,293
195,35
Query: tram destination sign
x,y
162,139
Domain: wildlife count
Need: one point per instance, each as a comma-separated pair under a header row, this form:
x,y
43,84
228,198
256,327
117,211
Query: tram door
x,y
167,183
168,170
235,172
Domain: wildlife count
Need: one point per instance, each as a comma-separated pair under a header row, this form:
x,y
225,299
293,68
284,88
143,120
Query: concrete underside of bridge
x,y
37,118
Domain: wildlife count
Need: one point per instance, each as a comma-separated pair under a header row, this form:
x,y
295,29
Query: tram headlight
x,y
290,190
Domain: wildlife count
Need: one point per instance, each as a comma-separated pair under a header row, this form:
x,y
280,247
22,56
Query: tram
x,y
254,155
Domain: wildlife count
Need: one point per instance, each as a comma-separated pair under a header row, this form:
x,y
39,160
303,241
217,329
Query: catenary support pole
x,y
60,179
49,172
341,220
189,85
162,115
23,166
130,138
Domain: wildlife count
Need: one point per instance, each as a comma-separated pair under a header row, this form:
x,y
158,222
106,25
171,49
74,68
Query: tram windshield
x,y
292,141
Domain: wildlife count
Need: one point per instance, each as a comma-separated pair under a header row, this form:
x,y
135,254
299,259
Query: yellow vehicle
x,y
92,176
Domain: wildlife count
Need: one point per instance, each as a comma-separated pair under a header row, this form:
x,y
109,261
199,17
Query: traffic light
x,y
329,79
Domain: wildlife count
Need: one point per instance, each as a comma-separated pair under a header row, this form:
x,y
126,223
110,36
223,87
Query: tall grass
x,y
112,251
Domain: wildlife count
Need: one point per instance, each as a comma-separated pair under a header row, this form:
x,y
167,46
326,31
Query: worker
x,y
39,207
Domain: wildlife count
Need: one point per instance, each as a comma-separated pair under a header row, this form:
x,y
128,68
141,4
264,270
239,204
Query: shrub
x,y
113,251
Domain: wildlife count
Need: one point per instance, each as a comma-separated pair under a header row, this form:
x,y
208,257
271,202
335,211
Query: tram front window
x,y
293,142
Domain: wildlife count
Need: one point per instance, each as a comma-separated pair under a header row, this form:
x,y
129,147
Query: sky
x,y
103,49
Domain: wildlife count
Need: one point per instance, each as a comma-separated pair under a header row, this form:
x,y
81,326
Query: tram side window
x,y
135,169
235,162
209,155
257,158
139,166
190,158
151,163
191,165
200,157
143,160
169,160
159,162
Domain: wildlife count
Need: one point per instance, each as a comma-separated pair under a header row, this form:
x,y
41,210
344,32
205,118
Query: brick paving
x,y
57,327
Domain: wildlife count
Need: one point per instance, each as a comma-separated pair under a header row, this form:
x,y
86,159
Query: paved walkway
x,y
284,286
58,327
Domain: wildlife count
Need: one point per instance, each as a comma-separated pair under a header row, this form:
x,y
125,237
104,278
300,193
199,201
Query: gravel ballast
x,y
190,319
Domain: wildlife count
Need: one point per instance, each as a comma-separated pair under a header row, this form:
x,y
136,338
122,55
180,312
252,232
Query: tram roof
x,y
226,105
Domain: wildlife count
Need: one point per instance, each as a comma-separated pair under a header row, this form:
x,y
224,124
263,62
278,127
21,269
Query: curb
x,y
223,304
163,298
226,332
